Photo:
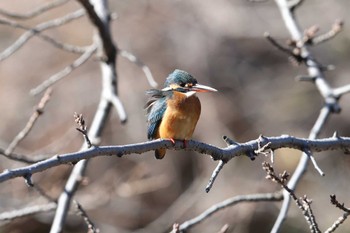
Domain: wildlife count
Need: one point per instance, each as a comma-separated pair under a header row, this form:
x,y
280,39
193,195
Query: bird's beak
x,y
202,88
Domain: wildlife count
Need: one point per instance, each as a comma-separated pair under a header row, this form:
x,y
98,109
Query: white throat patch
x,y
190,93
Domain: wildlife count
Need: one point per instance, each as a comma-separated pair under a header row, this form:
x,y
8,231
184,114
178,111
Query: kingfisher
x,y
173,112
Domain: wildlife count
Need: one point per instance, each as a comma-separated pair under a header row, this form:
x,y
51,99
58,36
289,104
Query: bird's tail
x,y
159,153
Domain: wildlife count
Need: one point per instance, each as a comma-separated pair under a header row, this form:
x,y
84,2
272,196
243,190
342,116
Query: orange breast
x,y
180,117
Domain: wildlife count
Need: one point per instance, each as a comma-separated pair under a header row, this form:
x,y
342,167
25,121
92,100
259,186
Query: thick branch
x,y
326,91
284,141
102,25
99,16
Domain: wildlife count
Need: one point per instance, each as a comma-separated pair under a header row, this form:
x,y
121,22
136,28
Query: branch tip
x,y
229,141
28,180
214,175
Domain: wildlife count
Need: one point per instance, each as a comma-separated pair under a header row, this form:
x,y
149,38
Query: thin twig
x,y
131,57
312,158
21,158
307,205
337,223
278,45
36,30
224,228
118,105
337,204
336,28
38,11
214,175
303,203
338,92
65,72
91,226
301,168
293,4
342,218
39,110
230,202
26,211
79,119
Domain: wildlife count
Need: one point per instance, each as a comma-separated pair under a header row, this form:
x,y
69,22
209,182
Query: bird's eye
x,y
182,84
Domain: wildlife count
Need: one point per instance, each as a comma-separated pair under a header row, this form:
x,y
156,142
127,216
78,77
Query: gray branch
x,y
97,10
36,30
227,203
65,72
10,215
225,154
38,11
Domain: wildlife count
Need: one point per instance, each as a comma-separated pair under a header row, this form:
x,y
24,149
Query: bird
x,y
173,112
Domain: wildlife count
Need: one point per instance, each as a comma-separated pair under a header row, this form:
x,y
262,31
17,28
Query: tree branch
x,y
34,117
38,11
227,203
97,11
10,215
326,91
226,154
65,72
131,57
36,30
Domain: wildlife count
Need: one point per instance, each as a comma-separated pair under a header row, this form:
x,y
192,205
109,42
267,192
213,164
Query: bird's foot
x,y
172,140
185,143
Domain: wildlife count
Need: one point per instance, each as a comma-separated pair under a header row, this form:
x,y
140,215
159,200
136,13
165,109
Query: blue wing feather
x,y
155,111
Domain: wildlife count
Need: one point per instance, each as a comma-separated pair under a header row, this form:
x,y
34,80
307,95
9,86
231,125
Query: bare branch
x,y
326,91
342,218
99,16
302,203
278,45
20,158
337,204
284,141
311,157
91,226
230,202
336,28
66,71
34,117
338,92
229,141
40,10
10,215
301,168
101,23
337,223
214,175
131,57
293,4
118,105
307,205
36,30
79,119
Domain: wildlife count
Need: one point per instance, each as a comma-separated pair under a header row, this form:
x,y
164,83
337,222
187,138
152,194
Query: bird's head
x,y
182,81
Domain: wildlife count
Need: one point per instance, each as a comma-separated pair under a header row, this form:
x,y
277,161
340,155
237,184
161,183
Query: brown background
x,y
221,44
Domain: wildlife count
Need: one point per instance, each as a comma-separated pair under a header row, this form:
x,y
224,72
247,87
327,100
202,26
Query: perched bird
x,y
173,112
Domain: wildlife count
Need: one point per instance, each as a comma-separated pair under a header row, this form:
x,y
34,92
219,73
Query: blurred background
x,y
221,43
